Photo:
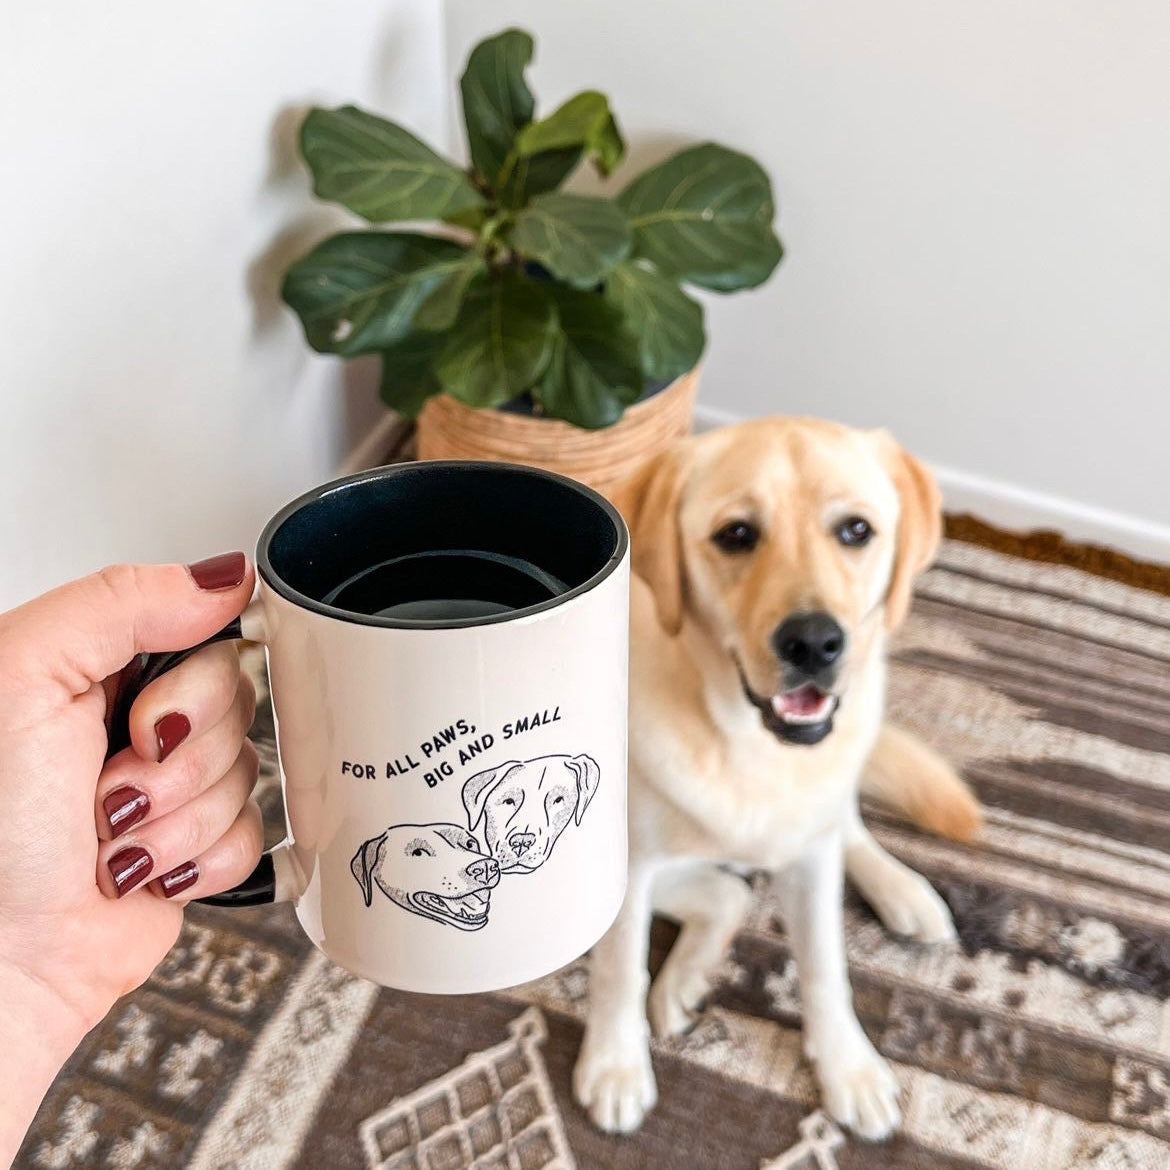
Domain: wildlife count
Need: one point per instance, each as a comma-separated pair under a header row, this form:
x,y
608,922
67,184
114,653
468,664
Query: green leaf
x,y
705,216
500,344
408,377
359,291
442,307
540,173
668,325
751,272
583,122
609,147
473,219
594,372
497,102
381,171
578,238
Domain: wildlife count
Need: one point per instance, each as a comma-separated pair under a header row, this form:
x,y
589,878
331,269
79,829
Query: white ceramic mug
x,y
447,648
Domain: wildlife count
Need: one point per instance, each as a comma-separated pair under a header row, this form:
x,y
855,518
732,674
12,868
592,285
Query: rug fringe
x,y
1053,548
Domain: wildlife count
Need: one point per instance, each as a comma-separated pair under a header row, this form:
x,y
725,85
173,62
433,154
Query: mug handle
x,y
273,879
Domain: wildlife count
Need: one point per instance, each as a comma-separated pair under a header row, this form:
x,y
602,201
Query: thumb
x,y
83,632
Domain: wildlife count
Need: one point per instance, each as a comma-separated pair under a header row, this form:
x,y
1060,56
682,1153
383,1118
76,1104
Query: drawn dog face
x,y
790,543
525,806
437,871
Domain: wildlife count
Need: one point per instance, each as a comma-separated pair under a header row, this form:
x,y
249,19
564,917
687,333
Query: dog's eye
x,y
508,800
421,851
559,800
854,532
739,536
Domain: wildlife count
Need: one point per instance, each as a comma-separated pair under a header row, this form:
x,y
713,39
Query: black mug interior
x,y
441,544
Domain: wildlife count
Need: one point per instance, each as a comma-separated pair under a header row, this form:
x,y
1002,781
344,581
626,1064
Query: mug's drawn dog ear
x,y
365,861
588,777
479,787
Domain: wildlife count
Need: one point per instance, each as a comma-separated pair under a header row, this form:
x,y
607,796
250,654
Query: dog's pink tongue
x,y
807,700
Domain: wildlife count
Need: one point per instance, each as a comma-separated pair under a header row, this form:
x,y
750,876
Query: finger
x,y
225,864
83,632
132,791
186,701
155,848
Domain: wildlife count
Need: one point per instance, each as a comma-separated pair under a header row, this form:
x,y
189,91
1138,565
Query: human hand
x,y
98,856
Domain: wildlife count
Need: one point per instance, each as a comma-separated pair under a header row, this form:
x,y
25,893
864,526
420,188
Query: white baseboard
x,y
1021,509
1008,506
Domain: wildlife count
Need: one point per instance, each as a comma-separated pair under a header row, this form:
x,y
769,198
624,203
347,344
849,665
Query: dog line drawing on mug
x,y
440,872
436,871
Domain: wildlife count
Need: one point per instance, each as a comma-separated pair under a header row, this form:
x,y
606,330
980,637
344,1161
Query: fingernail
x,y
128,867
225,571
170,731
125,807
181,878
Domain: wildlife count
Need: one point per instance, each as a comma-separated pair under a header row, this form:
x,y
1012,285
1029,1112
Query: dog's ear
x,y
919,526
588,777
649,502
479,787
365,861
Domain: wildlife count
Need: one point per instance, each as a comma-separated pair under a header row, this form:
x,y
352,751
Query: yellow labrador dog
x,y
771,561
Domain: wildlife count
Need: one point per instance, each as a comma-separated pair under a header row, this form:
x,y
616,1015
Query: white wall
x,y
975,199
155,400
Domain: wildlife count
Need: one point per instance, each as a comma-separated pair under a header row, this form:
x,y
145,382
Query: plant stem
x,y
497,252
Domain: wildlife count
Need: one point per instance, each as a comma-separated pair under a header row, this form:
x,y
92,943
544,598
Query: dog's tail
x,y
906,774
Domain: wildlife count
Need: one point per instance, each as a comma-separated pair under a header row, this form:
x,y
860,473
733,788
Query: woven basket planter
x,y
602,459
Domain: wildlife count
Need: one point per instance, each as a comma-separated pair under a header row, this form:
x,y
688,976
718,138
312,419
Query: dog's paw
x,y
615,1084
909,907
676,997
860,1092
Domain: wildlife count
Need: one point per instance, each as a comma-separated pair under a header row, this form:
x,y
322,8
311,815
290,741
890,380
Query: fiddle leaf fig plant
x,y
514,287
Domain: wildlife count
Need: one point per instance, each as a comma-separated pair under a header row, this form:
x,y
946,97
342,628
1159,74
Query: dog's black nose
x,y
810,642
521,842
483,870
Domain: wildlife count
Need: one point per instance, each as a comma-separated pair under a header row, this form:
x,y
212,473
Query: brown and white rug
x,y
1042,1042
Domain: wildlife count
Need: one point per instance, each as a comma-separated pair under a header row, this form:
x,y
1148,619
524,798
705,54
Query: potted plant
x,y
526,322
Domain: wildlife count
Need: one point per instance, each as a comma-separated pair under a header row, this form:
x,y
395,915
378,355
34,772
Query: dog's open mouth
x,y
803,715
469,912
806,704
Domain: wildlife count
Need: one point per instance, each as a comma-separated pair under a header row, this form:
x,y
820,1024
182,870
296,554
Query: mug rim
x,y
278,585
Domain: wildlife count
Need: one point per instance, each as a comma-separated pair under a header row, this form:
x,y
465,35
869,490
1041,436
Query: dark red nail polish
x,y
171,730
181,878
128,867
225,571
125,808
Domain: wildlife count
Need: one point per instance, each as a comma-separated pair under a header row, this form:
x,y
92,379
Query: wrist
x,y
38,1033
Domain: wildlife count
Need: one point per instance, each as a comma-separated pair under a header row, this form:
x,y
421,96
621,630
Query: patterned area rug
x,y
1041,1042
